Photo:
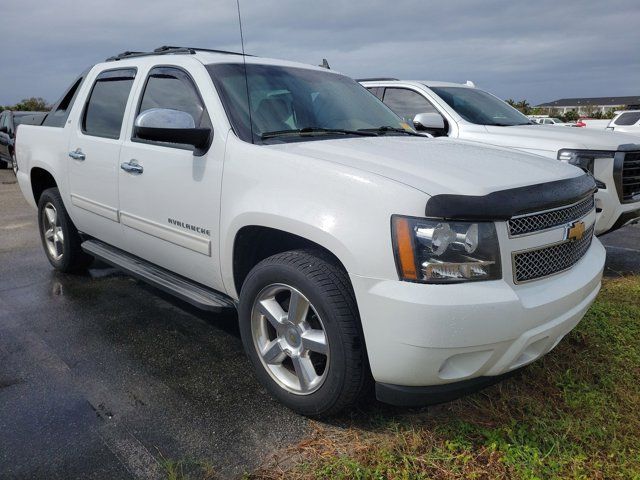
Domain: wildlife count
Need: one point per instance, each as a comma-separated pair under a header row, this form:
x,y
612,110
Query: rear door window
x,y
107,102
407,103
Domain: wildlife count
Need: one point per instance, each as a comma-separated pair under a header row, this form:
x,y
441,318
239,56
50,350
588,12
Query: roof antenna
x,y
244,62
325,64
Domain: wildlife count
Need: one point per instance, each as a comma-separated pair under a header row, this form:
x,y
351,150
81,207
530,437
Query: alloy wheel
x,y
290,339
53,235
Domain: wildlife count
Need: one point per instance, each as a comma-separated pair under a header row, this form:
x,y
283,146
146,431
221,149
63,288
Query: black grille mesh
x,y
542,221
534,264
631,176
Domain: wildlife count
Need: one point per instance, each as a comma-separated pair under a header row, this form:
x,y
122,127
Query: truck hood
x,y
436,165
549,138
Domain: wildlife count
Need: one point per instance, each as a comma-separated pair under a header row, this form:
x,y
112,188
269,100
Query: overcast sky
x,y
539,50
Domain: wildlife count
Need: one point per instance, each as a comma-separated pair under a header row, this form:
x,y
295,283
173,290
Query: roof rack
x,y
376,79
168,50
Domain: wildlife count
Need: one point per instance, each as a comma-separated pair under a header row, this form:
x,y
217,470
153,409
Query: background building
x,y
589,106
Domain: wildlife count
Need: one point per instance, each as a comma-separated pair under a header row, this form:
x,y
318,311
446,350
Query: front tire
x,y
59,235
300,328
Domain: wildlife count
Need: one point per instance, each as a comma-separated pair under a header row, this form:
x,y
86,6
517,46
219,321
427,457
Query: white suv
x,y
353,248
626,122
556,122
463,111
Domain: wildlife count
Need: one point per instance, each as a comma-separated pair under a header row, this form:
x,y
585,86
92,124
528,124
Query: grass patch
x,y
186,469
573,414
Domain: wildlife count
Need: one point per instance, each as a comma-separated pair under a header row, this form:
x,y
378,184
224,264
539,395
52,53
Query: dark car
x,y
9,121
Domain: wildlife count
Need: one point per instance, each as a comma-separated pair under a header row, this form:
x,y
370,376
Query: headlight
x,y
438,251
583,158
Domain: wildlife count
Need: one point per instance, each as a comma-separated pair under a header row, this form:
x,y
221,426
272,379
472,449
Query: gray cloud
x,y
539,50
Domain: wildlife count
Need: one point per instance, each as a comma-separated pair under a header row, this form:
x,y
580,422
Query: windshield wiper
x,y
314,130
386,128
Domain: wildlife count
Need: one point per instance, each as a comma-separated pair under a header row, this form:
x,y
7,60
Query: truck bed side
x,y
39,147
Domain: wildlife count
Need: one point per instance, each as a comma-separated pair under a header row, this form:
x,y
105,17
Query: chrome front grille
x,y
541,262
539,221
631,177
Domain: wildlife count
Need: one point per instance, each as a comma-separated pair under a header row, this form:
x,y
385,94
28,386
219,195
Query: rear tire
x,y
60,238
14,164
314,363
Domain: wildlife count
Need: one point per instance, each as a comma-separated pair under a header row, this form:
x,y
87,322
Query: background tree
x,y
524,106
570,116
32,104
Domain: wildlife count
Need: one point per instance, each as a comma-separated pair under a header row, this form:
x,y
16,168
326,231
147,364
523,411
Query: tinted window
x,y
290,98
377,91
629,118
105,108
173,89
479,107
407,103
29,119
60,112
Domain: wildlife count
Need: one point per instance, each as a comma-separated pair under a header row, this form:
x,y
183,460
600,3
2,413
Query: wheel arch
x,y
41,179
254,243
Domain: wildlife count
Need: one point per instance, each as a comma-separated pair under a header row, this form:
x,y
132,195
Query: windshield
x,y
293,104
481,108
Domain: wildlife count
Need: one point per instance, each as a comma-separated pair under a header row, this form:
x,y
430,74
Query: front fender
x,y
344,210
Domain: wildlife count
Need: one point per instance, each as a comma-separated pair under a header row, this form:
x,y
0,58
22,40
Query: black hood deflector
x,y
504,204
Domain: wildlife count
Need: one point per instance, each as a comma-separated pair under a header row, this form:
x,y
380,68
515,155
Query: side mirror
x,y
4,130
172,126
428,121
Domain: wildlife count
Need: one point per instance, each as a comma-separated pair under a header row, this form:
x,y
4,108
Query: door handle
x,y
77,155
132,167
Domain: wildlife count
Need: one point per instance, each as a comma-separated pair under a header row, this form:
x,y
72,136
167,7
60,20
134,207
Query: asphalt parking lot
x,y
103,377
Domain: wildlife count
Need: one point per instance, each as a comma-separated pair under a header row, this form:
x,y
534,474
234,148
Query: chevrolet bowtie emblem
x,y
574,231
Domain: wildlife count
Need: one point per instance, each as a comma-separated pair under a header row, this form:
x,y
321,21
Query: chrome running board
x,y
191,292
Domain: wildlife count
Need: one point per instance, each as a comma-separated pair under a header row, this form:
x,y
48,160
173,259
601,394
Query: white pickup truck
x,y
354,249
466,112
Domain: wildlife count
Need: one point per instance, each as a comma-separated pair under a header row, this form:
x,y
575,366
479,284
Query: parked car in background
x,y
9,121
353,248
626,122
542,120
464,111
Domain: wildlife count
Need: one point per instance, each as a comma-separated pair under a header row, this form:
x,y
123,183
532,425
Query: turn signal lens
x,y
404,248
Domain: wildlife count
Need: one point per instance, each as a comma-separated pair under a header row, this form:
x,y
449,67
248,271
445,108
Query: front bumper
x,y
423,335
612,214
402,396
